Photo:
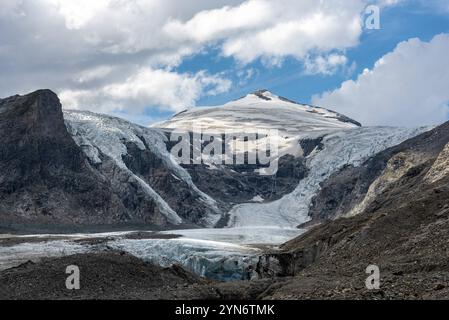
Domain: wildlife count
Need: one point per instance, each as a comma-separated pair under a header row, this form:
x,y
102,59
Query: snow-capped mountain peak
x,y
336,141
261,109
262,94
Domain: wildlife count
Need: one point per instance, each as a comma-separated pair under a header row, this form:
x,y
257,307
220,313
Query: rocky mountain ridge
x,y
77,169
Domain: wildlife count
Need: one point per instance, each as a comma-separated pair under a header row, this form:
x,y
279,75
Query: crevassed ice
x,y
211,259
222,254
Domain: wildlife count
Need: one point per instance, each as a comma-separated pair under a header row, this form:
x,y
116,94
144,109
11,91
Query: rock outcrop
x,y
357,189
402,227
44,176
48,182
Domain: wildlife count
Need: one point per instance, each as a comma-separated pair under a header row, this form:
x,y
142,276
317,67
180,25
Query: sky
x,y
145,60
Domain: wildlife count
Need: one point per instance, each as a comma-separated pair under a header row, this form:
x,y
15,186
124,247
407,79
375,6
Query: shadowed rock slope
x,y
46,179
353,190
44,176
401,225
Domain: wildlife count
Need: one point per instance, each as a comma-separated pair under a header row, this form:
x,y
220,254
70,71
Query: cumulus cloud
x,y
105,55
167,90
407,87
97,53
325,65
275,29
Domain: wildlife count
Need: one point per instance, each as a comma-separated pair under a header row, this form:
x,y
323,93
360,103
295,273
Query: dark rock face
x,y
347,187
310,145
178,195
236,184
343,190
45,177
260,94
35,145
240,184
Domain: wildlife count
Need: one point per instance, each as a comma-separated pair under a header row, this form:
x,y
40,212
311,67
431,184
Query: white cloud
x,y
407,87
219,23
95,51
168,90
246,75
78,13
325,65
275,29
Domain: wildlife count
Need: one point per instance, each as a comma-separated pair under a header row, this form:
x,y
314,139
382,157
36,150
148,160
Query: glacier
x,y
225,253
254,235
345,143
210,259
221,254
347,147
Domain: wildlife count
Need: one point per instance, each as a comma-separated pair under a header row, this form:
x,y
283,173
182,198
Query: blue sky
x,y
412,19
398,23
146,59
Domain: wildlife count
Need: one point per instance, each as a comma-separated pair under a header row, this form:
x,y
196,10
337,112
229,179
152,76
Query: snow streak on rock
x,y
96,133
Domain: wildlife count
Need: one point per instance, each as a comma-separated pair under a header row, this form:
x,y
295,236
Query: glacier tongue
x,y
222,254
211,259
242,236
341,148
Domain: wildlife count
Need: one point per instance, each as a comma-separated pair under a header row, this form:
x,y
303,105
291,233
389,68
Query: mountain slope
x,y
324,142
357,189
44,176
50,177
403,229
141,155
81,168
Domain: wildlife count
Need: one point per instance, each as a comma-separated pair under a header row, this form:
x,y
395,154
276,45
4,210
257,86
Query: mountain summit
x,y
261,109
